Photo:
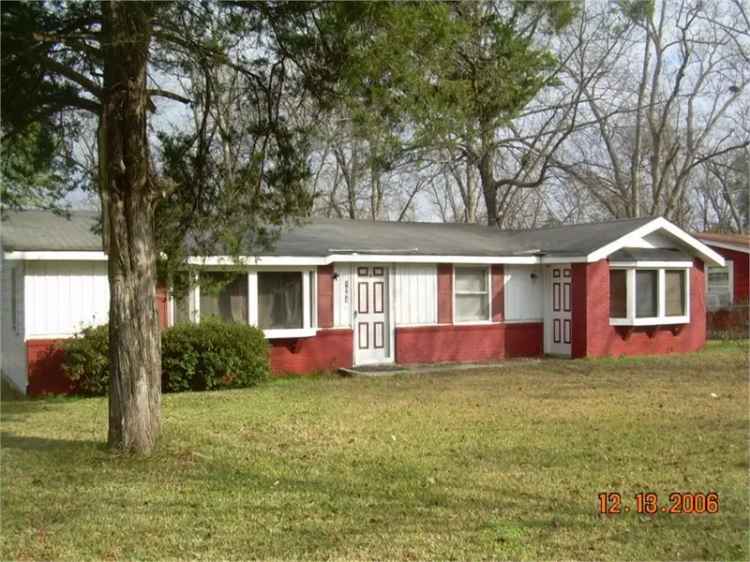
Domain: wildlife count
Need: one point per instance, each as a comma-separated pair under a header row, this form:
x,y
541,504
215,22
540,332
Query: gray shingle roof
x,y
45,231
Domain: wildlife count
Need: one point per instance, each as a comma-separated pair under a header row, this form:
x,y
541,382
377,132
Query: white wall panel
x,y
63,297
12,348
342,295
415,295
524,294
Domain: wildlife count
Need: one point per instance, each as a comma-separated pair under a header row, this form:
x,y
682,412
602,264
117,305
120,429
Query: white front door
x,y
558,325
371,330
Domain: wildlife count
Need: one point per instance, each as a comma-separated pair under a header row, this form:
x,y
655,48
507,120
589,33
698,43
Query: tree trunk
x,y
134,339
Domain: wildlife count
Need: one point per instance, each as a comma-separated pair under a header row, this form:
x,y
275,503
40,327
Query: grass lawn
x,y
497,463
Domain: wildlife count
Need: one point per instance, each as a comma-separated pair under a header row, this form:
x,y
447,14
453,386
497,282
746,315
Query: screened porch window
x,y
472,296
224,295
674,288
280,300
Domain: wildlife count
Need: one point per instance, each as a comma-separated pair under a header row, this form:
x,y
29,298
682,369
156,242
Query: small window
x,y
618,293
674,292
719,286
472,294
224,296
646,293
280,300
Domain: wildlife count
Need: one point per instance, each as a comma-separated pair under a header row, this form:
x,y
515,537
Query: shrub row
x,y
205,356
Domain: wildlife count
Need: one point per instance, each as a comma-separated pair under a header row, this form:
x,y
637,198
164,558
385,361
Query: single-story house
x,y
729,284
337,293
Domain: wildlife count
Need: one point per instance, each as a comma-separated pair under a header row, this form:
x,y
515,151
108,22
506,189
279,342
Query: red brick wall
x,y
325,296
465,344
45,374
524,340
327,350
498,297
445,293
594,337
741,265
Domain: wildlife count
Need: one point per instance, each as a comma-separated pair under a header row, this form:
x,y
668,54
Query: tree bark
x,y
134,338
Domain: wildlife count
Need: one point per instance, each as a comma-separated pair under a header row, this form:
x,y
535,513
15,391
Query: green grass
x,y
500,463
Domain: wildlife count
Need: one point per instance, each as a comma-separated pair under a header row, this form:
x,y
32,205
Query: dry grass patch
x,y
503,463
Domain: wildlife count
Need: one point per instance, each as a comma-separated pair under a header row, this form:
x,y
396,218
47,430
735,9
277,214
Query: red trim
x,y
445,293
325,296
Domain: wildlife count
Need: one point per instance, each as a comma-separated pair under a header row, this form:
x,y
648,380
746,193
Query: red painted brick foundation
x,y
594,337
466,344
46,376
326,351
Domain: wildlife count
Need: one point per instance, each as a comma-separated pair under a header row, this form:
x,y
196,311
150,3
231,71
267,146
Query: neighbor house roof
x,y
739,242
26,231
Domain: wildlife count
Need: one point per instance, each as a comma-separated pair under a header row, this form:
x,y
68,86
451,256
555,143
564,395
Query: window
x,y
618,296
649,296
674,288
719,286
280,300
223,295
646,286
472,296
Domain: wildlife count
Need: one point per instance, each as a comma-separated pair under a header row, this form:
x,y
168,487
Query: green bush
x,y
204,356
86,361
213,354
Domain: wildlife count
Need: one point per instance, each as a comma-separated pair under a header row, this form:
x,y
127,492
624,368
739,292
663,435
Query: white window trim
x,y
661,319
729,265
488,274
309,303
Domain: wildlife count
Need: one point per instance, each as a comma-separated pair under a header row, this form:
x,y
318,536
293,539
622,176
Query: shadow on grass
x,y
32,443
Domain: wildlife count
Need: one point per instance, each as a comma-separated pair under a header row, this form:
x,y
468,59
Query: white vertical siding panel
x,y
416,294
63,297
342,295
524,295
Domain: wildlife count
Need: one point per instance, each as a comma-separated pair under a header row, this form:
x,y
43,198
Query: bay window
x,y
471,294
223,296
649,296
280,300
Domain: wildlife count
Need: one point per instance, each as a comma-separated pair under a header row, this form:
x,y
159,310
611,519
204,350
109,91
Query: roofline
x,y
282,261
659,223
725,245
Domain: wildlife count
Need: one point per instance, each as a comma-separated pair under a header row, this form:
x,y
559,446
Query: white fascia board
x,y
659,223
563,259
653,264
56,256
296,261
726,245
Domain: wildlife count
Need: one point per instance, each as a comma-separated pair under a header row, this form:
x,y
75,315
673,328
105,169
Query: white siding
x,y
416,294
342,295
524,294
63,297
12,346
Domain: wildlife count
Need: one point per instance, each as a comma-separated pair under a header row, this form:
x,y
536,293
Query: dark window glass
x,y
646,293
675,292
618,297
280,302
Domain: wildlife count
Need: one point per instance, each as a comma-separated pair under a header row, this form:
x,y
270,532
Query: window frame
x,y
729,266
661,318
488,292
309,301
